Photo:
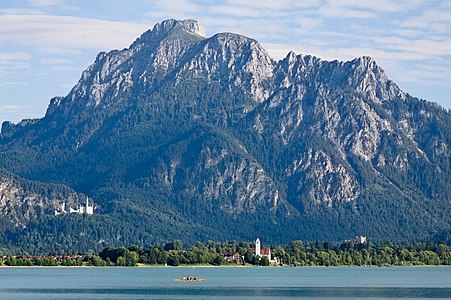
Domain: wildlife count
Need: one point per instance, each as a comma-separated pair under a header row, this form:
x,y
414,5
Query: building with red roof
x,y
259,251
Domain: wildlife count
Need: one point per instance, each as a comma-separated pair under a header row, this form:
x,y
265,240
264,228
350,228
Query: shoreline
x,y
210,266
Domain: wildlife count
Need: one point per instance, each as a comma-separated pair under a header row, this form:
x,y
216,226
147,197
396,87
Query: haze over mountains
x,y
183,136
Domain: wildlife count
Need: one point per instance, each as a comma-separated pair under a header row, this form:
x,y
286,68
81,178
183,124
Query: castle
x,y
81,209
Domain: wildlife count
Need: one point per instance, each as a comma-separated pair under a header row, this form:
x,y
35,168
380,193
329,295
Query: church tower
x,y
257,247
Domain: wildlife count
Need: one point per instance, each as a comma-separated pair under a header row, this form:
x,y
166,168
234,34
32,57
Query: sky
x,y
46,44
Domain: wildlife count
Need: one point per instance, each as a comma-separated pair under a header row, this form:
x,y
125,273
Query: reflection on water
x,y
232,293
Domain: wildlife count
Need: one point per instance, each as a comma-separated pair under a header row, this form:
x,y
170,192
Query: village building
x,y
232,256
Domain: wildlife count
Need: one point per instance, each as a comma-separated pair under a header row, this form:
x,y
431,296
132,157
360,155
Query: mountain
x,y
23,200
181,135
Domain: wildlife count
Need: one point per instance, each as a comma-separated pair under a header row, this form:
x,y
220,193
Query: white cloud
x,y
278,51
61,65
309,23
157,16
55,61
433,21
424,48
59,51
14,112
49,4
179,5
178,9
379,6
12,108
21,11
67,32
433,76
232,10
345,12
12,83
358,9
408,33
66,68
275,5
260,28
11,61
9,57
45,3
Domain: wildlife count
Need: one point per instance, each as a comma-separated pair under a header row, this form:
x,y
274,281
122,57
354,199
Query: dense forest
x,y
295,253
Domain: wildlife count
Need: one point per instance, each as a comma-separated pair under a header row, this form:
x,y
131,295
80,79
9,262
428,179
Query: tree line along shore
x,y
295,253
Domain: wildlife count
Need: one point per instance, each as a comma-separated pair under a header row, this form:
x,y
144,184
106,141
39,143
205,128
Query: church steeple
x,y
257,247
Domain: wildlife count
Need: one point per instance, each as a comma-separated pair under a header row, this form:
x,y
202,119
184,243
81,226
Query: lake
x,y
226,283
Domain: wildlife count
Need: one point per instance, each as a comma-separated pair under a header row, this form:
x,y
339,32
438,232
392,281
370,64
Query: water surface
x,y
226,283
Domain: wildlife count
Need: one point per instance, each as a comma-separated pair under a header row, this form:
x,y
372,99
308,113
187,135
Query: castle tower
x,y
89,209
257,247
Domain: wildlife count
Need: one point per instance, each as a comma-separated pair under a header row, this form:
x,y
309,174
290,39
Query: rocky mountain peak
x,y
368,77
155,51
189,26
170,27
236,59
363,74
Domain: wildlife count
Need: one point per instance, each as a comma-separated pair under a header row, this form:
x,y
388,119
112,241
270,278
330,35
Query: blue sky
x,y
46,44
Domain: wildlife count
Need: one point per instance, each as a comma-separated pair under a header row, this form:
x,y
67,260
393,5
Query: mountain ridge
x,y
213,130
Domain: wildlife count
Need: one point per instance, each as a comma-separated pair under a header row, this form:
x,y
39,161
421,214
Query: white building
x,y
361,239
259,251
81,209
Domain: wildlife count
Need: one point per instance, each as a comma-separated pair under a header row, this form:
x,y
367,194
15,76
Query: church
x,y
259,251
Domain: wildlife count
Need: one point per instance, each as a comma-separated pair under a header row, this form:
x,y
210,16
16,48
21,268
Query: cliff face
x,y
213,130
22,200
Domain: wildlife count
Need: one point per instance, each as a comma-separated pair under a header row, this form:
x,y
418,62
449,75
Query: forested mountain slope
x,y
213,139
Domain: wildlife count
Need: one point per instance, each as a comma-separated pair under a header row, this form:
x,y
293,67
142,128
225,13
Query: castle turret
x,y
89,209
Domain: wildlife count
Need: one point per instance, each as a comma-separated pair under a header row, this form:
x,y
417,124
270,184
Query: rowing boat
x,y
191,280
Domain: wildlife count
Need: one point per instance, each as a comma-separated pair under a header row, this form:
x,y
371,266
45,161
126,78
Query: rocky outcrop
x,y
22,200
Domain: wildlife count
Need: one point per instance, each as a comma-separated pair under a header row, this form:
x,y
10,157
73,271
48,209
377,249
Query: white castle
x,y
81,209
